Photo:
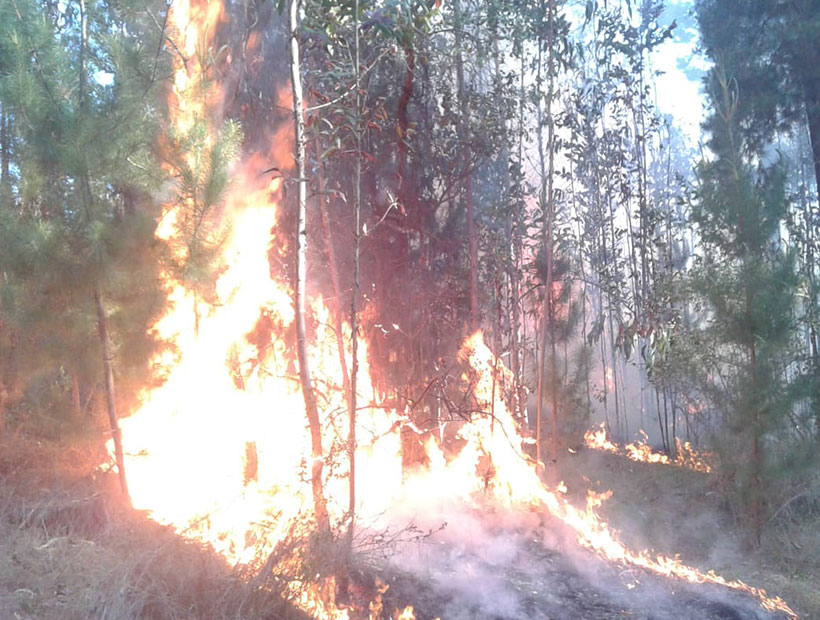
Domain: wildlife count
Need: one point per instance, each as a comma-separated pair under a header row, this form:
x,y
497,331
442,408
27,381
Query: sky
x,y
681,67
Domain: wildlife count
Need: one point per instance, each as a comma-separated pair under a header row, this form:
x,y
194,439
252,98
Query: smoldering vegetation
x,y
494,565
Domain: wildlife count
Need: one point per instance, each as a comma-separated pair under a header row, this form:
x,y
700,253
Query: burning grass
x,y
681,513
641,452
71,550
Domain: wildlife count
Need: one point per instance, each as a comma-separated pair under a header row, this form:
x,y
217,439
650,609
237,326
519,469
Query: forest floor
x,y
676,511
71,550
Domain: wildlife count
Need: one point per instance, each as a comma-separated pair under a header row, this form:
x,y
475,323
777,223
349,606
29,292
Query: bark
x,y
5,150
512,228
75,394
542,200
465,155
83,40
354,302
110,401
333,267
3,389
813,117
404,102
757,454
311,408
551,218
547,204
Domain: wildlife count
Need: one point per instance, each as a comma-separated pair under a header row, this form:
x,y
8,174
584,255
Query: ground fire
x,y
639,451
220,450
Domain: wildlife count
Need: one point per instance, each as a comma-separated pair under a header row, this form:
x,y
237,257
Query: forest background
x,y
502,165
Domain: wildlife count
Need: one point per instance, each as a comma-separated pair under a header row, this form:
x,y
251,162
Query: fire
x,y
220,451
641,452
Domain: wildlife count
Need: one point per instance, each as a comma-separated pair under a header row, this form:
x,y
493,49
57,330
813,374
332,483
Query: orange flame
x,y
220,451
640,451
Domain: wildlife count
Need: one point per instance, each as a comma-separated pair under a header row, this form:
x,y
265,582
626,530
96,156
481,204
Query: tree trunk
x,y
332,266
110,402
757,454
542,203
465,155
354,302
551,218
311,408
518,254
75,394
5,151
5,355
404,102
813,118
83,39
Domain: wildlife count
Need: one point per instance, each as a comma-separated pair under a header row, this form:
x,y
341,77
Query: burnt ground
x,y
540,583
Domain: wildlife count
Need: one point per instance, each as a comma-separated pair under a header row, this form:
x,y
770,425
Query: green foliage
x,y
771,50
79,217
201,162
747,280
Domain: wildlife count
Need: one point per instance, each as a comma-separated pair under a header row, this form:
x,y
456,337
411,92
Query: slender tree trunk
x,y
518,254
354,303
75,394
813,117
102,319
511,223
334,270
465,155
542,203
581,260
813,121
110,401
5,353
83,40
541,367
5,150
551,311
403,103
757,453
311,408
660,420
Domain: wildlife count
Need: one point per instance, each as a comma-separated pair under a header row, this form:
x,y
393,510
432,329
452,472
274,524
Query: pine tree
x,y
81,283
748,280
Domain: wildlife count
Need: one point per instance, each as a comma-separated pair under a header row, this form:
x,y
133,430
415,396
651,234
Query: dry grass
x,y
676,511
71,550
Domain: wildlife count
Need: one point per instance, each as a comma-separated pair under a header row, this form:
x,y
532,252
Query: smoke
x,y
477,562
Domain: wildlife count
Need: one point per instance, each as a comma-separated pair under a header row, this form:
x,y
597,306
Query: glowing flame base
x,y
220,450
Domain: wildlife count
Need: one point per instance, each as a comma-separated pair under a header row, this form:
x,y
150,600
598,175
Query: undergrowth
x,y
72,549
675,511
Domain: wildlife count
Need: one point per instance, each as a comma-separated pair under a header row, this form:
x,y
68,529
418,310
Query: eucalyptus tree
x,y
300,281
